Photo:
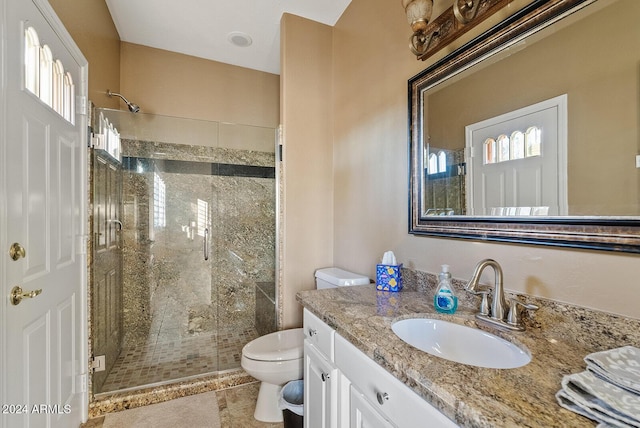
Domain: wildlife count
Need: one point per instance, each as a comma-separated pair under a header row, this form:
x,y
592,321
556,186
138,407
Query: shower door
x,y
169,306
182,301
106,265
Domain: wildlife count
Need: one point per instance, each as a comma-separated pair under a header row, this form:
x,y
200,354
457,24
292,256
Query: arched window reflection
x,y
433,163
503,148
442,161
533,141
517,145
489,151
437,163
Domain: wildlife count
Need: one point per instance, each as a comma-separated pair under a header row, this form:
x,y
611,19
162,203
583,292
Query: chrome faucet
x,y
495,313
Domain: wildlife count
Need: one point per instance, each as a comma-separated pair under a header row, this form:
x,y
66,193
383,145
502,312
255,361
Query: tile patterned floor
x,y
166,360
236,406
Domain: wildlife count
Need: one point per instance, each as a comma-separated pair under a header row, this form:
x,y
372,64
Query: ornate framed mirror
x,y
529,133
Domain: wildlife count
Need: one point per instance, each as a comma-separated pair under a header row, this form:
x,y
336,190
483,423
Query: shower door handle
x,y
205,249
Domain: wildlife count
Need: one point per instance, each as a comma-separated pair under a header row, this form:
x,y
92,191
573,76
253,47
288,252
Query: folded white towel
x,y
600,400
620,366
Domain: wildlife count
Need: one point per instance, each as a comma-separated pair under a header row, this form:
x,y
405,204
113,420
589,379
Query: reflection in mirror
x,y
544,130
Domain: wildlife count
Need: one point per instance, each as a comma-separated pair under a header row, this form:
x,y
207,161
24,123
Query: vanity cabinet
x,y
321,377
362,414
344,388
392,399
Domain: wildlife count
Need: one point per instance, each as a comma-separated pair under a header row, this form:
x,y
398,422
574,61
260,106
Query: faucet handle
x,y
484,305
513,317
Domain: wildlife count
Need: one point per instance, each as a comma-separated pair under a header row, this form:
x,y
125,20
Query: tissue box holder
x,y
389,277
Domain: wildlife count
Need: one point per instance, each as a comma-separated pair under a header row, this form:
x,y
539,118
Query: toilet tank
x,y
335,277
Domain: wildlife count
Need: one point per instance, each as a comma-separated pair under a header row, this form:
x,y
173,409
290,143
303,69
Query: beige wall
x,y
308,185
173,84
371,66
93,30
163,82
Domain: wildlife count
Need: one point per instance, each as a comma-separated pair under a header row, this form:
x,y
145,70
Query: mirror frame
x,y
597,233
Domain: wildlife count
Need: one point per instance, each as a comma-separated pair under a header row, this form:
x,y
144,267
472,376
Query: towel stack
x,y
608,391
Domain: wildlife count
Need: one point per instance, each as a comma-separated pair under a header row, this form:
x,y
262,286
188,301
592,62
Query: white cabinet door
x,y
388,396
320,390
362,414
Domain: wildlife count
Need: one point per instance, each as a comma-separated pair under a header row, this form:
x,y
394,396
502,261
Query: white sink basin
x,y
459,343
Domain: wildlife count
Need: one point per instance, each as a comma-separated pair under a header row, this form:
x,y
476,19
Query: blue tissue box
x,y
389,277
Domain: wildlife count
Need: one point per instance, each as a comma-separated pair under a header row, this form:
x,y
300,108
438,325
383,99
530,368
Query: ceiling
x,y
202,28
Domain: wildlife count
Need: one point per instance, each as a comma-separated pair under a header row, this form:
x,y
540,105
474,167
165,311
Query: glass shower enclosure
x,y
183,246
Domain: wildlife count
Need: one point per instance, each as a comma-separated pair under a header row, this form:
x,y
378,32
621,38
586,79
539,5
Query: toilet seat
x,y
279,346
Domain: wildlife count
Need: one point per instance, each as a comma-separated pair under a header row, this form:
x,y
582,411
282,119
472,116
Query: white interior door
x,y
43,202
514,185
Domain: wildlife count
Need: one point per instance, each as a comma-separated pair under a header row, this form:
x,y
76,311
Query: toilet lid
x,y
279,346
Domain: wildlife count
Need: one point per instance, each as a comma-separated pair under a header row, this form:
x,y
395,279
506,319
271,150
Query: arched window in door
x,y
46,78
32,61
46,75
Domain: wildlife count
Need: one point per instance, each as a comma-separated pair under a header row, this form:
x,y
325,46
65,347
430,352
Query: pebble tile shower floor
x,y
164,360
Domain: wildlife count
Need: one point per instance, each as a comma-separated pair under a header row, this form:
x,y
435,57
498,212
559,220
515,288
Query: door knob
x,y
17,251
17,294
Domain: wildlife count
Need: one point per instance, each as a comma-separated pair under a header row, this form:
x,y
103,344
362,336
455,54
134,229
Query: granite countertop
x,y
558,337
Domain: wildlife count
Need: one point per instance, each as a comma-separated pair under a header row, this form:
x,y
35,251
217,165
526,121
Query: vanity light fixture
x,y
465,10
419,13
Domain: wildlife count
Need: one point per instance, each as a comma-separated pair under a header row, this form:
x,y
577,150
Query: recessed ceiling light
x,y
240,39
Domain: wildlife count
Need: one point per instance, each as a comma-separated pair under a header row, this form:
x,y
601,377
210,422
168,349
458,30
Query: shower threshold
x,y
185,380
109,402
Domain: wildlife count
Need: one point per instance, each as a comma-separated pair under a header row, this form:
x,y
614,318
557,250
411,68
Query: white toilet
x,y
274,359
277,358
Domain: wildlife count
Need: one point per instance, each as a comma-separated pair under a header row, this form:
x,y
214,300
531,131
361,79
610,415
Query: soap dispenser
x,y
445,300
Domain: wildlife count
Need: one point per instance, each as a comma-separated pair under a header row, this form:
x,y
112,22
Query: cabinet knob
x,y
382,397
312,332
325,377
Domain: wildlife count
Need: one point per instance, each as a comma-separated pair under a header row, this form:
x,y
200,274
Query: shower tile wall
x,y
443,193
179,309
265,307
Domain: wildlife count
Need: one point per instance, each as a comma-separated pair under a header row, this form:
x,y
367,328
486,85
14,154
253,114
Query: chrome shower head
x,y
133,108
